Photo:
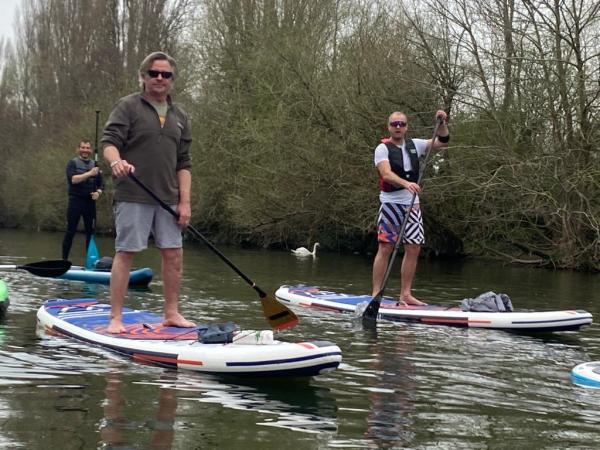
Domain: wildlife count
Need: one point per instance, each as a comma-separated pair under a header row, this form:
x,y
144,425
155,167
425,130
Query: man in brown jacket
x,y
149,134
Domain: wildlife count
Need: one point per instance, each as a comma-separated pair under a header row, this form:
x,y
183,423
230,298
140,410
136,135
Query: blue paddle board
x,y
303,296
248,353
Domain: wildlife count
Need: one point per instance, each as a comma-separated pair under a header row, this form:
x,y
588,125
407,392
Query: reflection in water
x,y
291,404
117,423
391,397
401,385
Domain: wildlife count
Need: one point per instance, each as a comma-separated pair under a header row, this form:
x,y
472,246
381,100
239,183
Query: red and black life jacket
x,y
397,164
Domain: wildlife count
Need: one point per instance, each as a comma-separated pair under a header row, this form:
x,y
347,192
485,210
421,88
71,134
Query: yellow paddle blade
x,y
279,316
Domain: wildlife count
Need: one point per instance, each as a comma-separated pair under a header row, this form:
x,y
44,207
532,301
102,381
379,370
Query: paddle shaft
x,y
96,152
200,236
92,254
373,307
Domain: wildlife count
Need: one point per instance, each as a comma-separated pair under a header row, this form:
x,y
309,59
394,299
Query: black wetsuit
x,y
81,203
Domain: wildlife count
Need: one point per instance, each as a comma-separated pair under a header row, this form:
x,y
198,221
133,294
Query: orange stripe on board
x,y
307,345
481,321
441,320
190,362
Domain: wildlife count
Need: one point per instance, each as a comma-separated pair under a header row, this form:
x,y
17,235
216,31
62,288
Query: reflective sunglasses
x,y
156,73
398,124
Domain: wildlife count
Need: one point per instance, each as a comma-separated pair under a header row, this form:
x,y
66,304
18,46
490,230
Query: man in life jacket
x,y
397,161
85,186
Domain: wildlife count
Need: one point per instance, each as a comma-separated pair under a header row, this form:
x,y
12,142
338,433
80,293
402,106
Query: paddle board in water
x,y
252,353
587,374
4,301
313,297
139,277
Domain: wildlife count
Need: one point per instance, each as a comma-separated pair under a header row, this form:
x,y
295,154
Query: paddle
x,y
92,254
372,309
278,315
50,269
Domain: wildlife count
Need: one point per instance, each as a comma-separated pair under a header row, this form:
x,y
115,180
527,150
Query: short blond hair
x,y
397,113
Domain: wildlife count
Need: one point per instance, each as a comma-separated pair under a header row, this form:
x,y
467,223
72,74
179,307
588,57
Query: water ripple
x,y
399,385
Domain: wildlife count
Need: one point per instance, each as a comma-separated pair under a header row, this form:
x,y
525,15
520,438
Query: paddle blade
x,y
51,268
92,255
279,316
372,309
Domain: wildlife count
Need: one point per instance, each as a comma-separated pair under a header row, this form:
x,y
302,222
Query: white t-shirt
x,y
402,196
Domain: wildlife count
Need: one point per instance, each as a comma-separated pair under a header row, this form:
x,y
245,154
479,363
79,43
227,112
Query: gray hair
x,y
147,63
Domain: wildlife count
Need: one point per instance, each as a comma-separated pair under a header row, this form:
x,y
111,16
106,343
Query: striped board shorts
x,y
390,220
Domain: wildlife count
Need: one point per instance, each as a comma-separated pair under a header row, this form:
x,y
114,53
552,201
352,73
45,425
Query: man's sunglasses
x,y
156,73
398,124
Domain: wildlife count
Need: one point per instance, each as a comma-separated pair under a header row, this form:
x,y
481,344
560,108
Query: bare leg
x,y
119,280
407,274
380,265
172,267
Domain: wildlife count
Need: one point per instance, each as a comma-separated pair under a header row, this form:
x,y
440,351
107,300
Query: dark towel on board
x,y
488,302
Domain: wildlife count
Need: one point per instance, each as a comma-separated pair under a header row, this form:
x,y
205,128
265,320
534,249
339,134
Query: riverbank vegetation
x,y
289,99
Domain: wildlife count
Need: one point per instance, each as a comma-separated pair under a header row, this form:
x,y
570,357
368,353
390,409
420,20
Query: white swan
x,y
303,251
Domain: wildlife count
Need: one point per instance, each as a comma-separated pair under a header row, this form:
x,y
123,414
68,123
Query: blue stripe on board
x,y
95,320
300,372
62,302
280,361
528,322
346,301
584,381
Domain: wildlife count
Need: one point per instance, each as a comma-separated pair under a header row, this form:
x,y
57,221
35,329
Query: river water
x,y
399,386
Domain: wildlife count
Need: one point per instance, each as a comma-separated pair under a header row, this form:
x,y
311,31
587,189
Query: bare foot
x,y
410,300
177,320
115,327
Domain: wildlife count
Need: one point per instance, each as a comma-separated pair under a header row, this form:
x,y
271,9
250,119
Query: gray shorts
x,y
135,222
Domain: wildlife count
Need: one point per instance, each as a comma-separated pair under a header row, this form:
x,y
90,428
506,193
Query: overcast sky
x,y
7,16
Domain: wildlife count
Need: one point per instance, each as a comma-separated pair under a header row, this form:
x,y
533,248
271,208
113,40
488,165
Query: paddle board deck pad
x,y
4,301
313,297
252,353
587,374
137,278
